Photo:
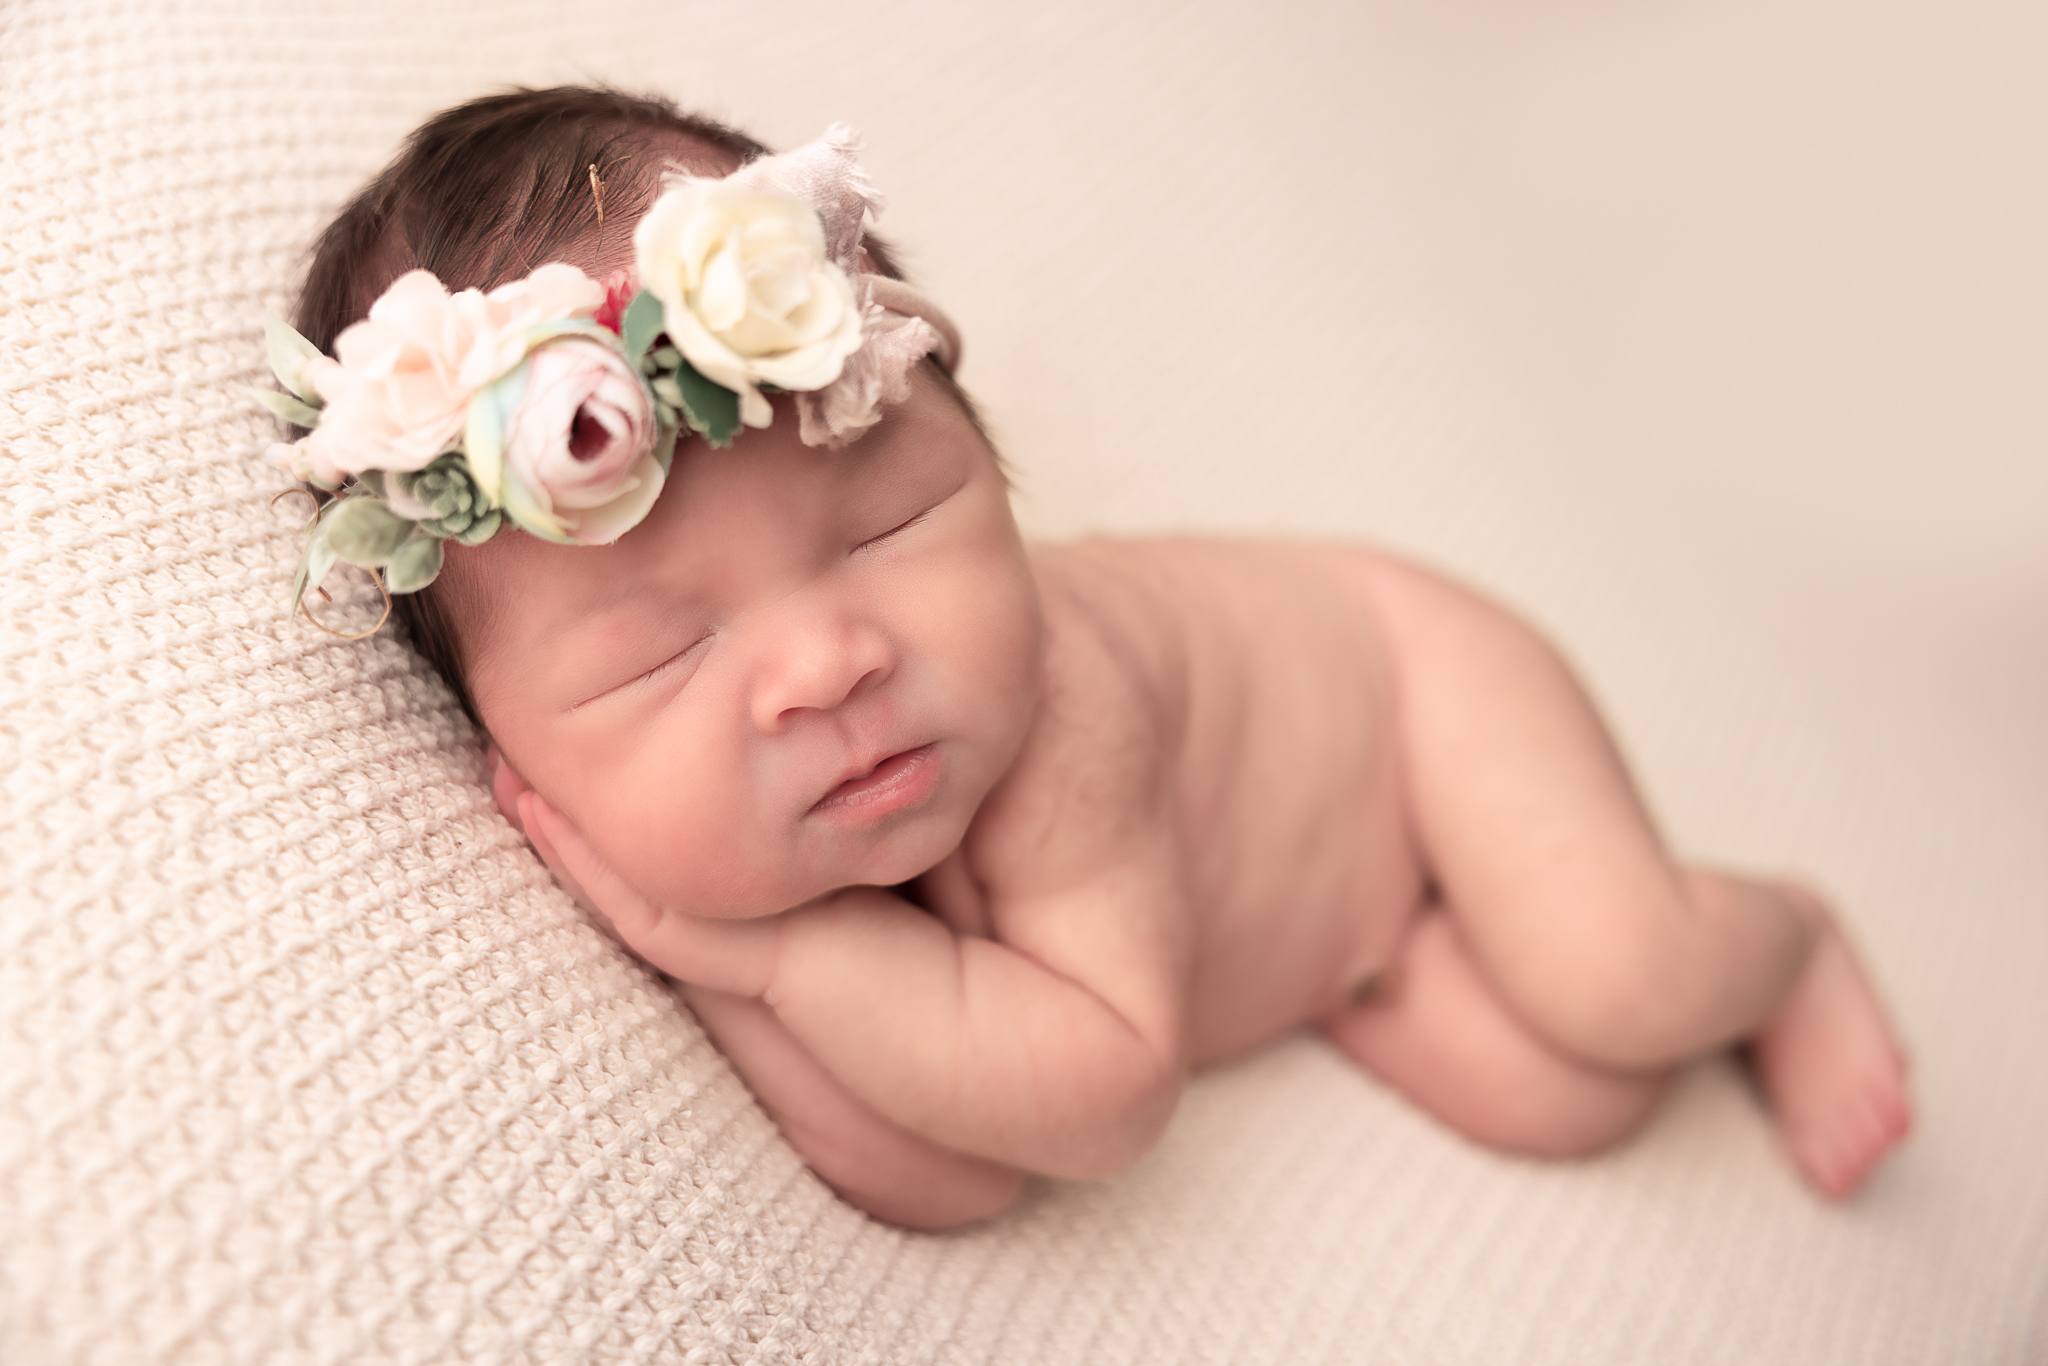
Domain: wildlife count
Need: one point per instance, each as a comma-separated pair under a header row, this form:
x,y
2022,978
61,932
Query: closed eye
x,y
689,657
871,542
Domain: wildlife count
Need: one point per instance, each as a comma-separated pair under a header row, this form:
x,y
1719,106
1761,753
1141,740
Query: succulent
x,y
456,506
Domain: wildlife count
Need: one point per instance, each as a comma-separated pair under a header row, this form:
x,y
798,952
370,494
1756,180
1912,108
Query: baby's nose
x,y
815,665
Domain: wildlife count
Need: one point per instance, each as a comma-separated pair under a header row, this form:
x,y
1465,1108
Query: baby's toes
x,y
1838,1156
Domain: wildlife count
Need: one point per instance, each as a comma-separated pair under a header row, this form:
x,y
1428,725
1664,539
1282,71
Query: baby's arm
x,y
877,1165
1056,1049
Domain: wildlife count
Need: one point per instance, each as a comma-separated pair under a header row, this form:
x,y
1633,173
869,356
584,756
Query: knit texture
x,y
304,1059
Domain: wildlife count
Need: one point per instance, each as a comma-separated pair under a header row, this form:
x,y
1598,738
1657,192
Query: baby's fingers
x,y
576,865
506,786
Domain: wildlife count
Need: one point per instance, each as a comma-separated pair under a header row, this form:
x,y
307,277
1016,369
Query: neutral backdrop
x,y
1711,336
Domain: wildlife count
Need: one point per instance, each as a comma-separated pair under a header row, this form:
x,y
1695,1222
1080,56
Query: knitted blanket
x,y
303,1058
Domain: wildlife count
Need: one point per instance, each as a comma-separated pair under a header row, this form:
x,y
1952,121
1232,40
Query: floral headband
x,y
554,402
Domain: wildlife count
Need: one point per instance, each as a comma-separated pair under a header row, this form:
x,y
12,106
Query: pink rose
x,y
398,391
582,441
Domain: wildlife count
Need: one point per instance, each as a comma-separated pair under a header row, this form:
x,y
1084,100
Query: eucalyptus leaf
x,y
366,531
709,408
289,353
287,407
314,562
414,565
642,323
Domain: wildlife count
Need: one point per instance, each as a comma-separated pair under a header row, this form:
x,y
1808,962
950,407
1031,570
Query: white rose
x,y
748,294
581,444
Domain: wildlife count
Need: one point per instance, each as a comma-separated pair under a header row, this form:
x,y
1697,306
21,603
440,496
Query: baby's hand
x,y
735,956
507,787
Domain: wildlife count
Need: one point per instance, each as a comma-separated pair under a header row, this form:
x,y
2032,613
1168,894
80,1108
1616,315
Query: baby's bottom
x,y
1573,964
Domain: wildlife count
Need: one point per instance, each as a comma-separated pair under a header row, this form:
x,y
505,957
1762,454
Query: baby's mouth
x,y
901,780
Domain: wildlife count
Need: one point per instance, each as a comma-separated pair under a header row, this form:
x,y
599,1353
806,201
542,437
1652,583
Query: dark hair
x,y
485,192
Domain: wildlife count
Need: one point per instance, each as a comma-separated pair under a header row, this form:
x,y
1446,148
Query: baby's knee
x,y
1564,1117
1626,999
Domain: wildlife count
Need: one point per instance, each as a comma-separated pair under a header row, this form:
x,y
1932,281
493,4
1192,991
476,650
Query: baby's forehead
x,y
768,496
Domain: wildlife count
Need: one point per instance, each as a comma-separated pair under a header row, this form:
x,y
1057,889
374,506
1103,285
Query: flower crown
x,y
554,402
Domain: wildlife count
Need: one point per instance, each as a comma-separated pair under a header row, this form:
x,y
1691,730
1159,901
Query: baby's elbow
x,y
1126,1123
953,1195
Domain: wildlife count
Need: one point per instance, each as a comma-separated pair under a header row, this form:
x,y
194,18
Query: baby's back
x,y
1278,739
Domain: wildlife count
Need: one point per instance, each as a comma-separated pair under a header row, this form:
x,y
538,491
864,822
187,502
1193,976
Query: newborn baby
x,y
968,851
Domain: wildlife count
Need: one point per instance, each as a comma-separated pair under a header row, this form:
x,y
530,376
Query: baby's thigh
x,y
1523,807
1542,852
1437,1031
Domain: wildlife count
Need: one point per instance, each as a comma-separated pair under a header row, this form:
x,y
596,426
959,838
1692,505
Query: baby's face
x,y
803,671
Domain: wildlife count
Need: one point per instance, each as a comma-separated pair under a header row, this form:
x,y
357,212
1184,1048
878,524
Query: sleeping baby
x,y
968,851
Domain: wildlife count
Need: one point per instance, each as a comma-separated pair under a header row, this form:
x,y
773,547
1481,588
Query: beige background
x,y
1710,335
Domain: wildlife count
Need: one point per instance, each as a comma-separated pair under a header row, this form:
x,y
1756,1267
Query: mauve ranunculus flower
x,y
582,440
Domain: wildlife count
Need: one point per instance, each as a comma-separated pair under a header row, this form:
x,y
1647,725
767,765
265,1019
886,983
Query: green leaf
x,y
414,565
287,407
314,562
289,353
709,408
366,531
642,324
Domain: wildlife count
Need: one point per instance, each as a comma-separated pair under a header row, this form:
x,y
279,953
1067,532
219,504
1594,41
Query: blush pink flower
x,y
398,391
581,443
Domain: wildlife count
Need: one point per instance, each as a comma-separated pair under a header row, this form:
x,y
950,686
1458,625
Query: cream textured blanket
x,y
1709,334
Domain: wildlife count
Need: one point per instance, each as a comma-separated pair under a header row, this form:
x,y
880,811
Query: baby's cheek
x,y
694,843
997,661
672,843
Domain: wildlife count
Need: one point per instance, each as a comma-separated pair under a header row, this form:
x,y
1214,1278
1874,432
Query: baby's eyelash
x,y
649,675
897,530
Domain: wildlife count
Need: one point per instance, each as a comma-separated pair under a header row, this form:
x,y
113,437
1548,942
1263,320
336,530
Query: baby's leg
x,y
1435,1030
1562,891
1834,1074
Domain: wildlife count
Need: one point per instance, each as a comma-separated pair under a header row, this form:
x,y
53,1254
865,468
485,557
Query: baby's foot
x,y
1831,1067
